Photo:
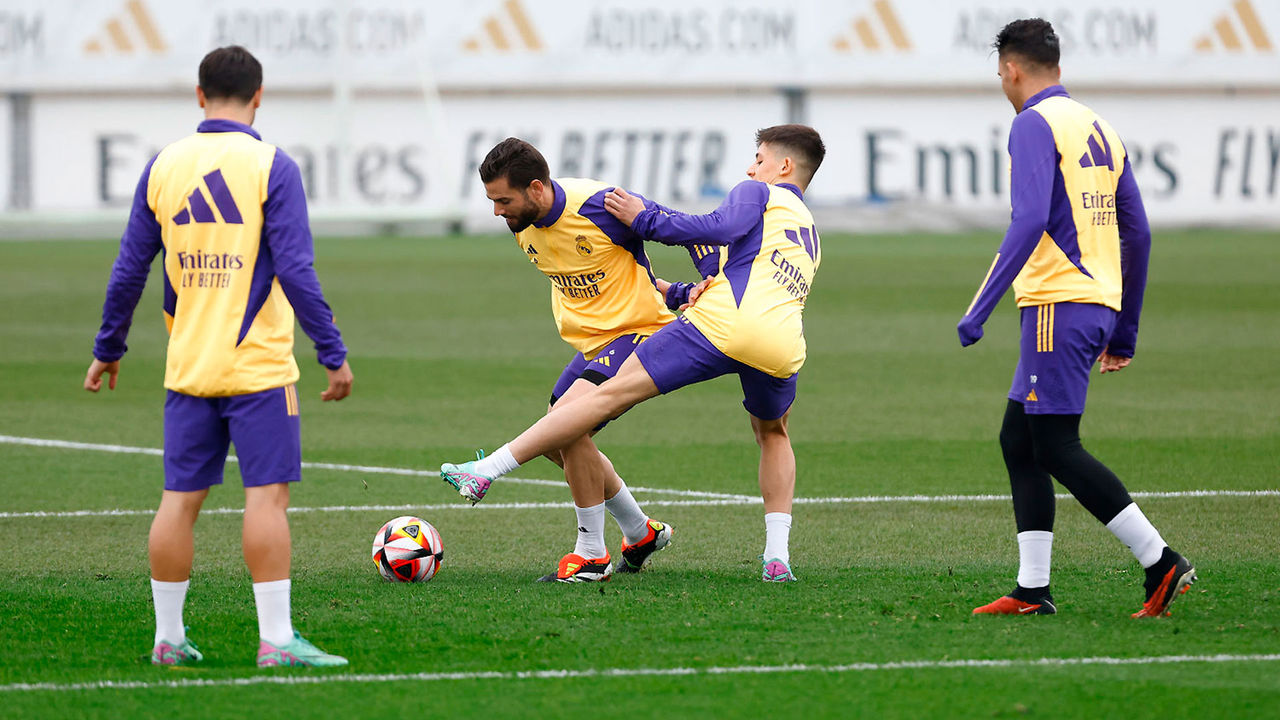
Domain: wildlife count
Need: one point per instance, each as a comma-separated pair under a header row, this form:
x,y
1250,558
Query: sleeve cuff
x,y
678,294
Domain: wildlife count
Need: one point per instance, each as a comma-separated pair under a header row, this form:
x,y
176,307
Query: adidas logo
x,y
198,208
1031,396
1098,155
875,32
506,30
1224,34
127,33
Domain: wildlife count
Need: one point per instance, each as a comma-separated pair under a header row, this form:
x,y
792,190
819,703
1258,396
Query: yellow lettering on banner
x,y
119,32
1223,30
508,29
869,31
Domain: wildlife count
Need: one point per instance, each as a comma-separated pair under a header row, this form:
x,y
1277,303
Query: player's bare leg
x,y
777,488
267,545
596,488
171,543
631,386
171,547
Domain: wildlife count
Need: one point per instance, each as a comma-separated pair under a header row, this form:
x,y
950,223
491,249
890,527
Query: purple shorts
x,y
1060,344
264,426
600,368
679,355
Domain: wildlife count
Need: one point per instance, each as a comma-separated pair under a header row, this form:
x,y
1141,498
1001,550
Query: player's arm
x,y
1135,253
677,295
705,257
286,231
138,247
734,219
1034,157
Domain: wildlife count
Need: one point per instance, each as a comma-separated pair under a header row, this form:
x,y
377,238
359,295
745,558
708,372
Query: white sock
x,y
272,599
169,598
1135,530
631,519
777,535
590,531
498,464
1035,548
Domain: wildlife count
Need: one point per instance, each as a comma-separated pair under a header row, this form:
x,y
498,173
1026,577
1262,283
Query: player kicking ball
x,y
747,321
1076,254
606,303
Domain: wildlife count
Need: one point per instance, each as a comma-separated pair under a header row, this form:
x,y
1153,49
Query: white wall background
x,y
388,105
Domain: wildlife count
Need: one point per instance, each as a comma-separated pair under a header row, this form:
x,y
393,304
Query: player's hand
x,y
970,331
623,205
1112,363
339,383
97,368
695,292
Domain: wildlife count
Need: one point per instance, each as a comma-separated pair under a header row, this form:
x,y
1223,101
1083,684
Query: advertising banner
x,y
1196,158
383,156
621,44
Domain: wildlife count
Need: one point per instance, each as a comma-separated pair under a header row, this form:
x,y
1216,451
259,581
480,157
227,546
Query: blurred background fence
x,y
389,105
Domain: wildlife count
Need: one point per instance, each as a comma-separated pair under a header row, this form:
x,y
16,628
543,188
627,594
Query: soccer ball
x,y
408,549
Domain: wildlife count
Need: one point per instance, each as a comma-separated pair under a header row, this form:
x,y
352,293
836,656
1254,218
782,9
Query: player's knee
x,y
1015,444
267,497
1054,456
767,431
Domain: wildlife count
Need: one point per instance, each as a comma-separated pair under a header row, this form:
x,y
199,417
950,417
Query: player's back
x,y
1078,260
753,309
601,283
230,326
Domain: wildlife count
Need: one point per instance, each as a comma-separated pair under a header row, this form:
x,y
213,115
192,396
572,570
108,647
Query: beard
x,y
526,217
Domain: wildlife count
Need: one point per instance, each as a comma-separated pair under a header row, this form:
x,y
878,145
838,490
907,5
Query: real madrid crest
x,y
583,247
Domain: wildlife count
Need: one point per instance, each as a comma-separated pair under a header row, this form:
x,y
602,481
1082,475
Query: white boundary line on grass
x,y
864,499
705,499
370,469
630,672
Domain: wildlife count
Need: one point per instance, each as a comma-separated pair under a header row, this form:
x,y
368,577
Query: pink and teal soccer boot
x,y
296,653
464,479
776,570
183,653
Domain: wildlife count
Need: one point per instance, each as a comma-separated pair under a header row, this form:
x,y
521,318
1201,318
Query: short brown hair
x,y
516,160
230,72
801,142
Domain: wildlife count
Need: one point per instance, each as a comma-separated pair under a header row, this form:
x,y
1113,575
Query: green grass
x,y
453,348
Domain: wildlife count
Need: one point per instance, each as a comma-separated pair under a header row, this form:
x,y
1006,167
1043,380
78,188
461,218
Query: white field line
x,y
1048,662
369,469
857,500
711,499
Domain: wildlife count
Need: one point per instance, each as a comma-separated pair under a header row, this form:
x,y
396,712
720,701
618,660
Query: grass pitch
x,y
453,348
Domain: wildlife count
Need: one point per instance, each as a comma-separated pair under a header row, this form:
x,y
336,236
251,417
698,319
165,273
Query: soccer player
x,y
606,302
1076,254
229,215
747,322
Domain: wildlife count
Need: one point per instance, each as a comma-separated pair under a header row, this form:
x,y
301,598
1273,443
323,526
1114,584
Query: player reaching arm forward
x,y
606,302
747,321
1076,254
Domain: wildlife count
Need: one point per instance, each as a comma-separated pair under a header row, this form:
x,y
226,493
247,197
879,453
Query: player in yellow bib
x,y
747,321
229,215
1076,256
606,302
